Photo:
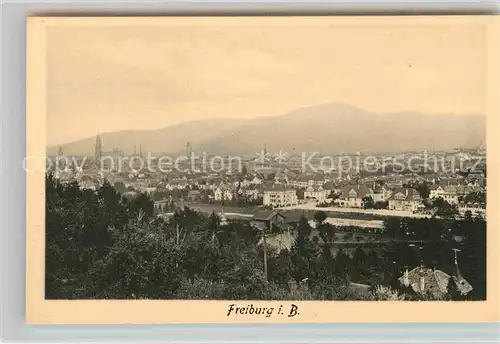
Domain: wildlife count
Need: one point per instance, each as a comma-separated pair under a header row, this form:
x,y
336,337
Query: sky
x,y
111,78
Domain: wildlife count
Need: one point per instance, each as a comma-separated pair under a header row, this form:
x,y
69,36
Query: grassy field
x,y
289,213
346,215
209,208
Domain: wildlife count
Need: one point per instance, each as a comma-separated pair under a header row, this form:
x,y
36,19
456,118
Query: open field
x,y
343,217
209,208
334,212
376,212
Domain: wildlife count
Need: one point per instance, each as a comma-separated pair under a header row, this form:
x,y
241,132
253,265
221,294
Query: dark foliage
x,y
100,245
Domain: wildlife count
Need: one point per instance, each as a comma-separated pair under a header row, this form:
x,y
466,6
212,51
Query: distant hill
x,y
169,140
330,128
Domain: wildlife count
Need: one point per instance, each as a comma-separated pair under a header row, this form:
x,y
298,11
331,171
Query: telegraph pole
x,y
456,258
177,228
265,248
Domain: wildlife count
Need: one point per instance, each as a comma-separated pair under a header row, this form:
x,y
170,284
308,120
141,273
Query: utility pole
x,y
177,233
176,218
456,256
265,248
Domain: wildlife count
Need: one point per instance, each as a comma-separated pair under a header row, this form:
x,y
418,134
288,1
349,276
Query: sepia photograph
x,y
282,159
260,163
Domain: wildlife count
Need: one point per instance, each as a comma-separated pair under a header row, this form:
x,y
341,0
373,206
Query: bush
x,y
200,288
383,293
102,246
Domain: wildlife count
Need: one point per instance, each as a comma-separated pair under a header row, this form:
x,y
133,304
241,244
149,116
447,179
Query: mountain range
x,y
330,128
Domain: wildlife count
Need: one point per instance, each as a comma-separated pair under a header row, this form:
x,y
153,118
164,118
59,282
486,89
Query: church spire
x,y
98,148
222,218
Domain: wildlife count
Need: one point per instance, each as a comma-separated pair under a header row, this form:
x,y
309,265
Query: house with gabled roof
x,y
277,229
424,280
301,181
265,219
281,178
329,186
256,180
253,191
194,195
223,193
316,193
319,179
381,193
451,193
246,181
279,195
474,208
405,199
352,196
467,189
436,191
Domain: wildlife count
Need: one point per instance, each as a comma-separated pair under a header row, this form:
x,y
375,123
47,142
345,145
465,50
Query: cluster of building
x,y
355,193
281,189
282,185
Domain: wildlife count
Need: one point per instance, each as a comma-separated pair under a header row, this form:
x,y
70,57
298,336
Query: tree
x,y
453,293
213,225
303,228
472,260
214,222
333,195
423,189
384,293
78,235
244,170
141,264
300,194
101,245
392,226
327,232
358,264
446,210
368,202
319,217
381,205
141,202
476,198
279,268
341,264
438,202
120,187
304,251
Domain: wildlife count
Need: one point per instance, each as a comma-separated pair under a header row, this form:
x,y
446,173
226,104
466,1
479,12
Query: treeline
x,y
103,246
100,245
435,239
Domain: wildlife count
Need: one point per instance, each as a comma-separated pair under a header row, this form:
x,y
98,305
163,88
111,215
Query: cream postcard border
x,y
41,311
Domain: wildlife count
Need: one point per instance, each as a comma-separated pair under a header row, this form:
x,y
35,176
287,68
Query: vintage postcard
x,y
262,169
